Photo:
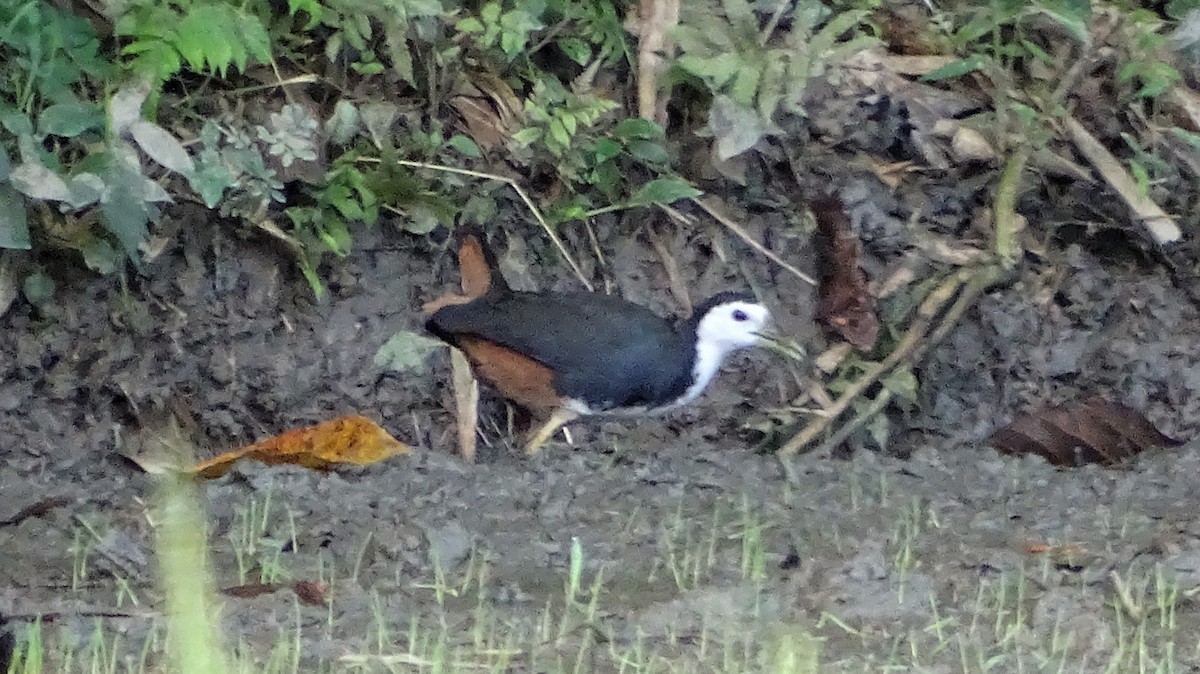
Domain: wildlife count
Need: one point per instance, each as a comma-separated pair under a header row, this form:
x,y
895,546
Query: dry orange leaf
x,y
351,439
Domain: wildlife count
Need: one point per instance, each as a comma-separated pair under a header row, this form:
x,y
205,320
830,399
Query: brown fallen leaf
x,y
1091,431
352,439
491,110
845,302
309,592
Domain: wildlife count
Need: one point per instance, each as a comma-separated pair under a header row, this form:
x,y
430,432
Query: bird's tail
x,y
477,263
477,267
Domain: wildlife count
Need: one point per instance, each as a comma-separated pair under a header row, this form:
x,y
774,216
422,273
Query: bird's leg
x,y
557,420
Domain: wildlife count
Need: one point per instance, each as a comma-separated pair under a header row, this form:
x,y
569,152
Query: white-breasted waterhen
x,y
576,354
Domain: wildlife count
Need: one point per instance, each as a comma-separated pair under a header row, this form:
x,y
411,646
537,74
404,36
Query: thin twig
x,y
558,243
743,234
930,308
877,405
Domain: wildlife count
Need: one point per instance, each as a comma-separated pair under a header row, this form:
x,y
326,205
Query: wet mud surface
x,y
711,556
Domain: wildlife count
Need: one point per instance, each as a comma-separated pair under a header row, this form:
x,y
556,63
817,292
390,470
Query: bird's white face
x,y
732,325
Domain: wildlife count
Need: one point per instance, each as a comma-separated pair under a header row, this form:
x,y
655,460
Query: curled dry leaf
x,y
490,109
845,303
352,439
1092,431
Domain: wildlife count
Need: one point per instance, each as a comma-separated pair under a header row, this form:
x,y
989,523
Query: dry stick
x,y
909,344
978,283
972,282
743,234
674,277
839,436
1158,223
466,405
562,248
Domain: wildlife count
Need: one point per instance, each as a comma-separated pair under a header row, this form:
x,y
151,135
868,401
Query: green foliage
x,y
97,172
754,72
362,32
207,37
1145,65
101,173
557,117
48,55
1004,34
507,28
596,30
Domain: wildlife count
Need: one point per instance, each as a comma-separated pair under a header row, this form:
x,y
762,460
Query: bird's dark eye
x,y
739,315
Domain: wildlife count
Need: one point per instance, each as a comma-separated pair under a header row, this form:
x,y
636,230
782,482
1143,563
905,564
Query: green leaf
x,y
313,8
162,147
39,183
576,49
86,189
902,383
100,256
16,123
1189,137
1037,52
716,71
125,107
344,123
636,127
745,84
527,135
738,12
480,209
211,37
736,127
421,220
956,68
14,223
605,149
664,191
38,288
335,234
469,25
646,151
406,351
124,211
70,119
424,7
464,146
1073,19
569,122
1141,177
210,179
559,132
